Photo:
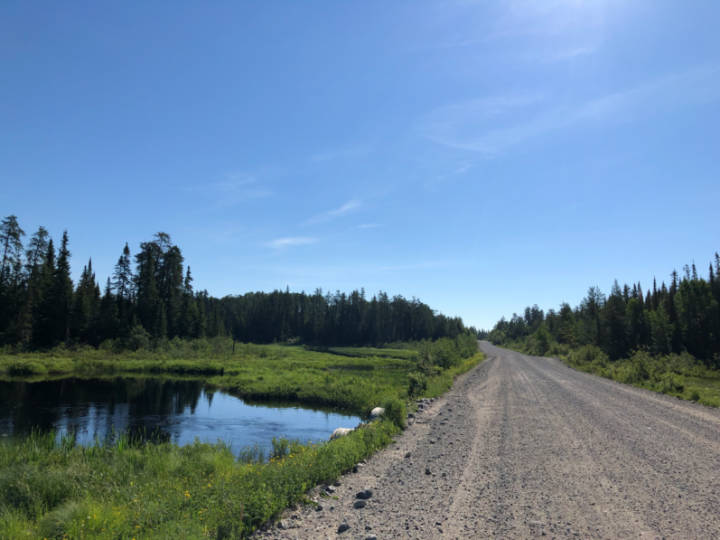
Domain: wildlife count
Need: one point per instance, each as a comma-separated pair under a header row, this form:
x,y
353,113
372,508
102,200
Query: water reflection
x,y
160,409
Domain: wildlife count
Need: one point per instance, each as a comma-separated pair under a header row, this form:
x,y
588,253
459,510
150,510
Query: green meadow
x,y
130,489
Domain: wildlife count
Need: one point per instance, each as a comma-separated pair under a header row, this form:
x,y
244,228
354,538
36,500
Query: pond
x,y
160,409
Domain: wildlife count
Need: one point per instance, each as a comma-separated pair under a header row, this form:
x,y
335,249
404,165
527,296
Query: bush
x,y
417,383
24,367
396,412
588,354
670,384
539,342
558,349
138,338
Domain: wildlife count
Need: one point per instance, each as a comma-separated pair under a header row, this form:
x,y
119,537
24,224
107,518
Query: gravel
x,y
527,447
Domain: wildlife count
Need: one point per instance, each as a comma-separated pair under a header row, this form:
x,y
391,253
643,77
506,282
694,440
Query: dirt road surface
x,y
525,447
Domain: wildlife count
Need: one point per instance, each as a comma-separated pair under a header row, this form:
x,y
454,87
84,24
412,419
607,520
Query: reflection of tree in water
x,y
143,406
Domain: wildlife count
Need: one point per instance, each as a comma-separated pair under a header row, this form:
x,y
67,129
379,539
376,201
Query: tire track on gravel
x,y
525,447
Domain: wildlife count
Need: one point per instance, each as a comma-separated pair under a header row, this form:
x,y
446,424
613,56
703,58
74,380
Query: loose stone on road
x,y
526,447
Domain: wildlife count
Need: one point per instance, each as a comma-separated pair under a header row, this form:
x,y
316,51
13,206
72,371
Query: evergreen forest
x,y
151,297
680,317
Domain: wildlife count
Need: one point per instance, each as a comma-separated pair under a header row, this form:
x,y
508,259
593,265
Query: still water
x,y
176,410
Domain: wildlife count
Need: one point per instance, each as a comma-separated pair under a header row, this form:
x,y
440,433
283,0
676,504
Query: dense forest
x,y
150,297
683,316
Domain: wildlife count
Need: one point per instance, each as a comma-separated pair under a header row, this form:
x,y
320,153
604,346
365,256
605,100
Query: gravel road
x,y
526,447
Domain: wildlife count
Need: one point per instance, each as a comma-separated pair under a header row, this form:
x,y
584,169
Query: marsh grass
x,y
128,489
125,488
256,372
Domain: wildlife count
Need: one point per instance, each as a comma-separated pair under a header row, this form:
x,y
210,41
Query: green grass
x,y
704,390
363,352
123,490
161,490
679,375
287,373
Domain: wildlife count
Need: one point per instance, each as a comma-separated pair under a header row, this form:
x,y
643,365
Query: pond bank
x,y
162,490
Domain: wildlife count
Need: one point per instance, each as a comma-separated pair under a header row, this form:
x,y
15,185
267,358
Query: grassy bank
x,y
679,375
123,490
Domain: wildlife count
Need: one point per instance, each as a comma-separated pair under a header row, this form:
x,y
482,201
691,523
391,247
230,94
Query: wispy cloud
x,y
492,125
556,54
569,54
485,125
453,173
236,188
290,241
346,208
553,18
219,232
343,152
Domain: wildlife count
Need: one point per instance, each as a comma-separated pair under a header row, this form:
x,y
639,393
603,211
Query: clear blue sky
x,y
479,155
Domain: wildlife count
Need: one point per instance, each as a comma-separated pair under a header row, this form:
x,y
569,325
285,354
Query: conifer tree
x,y
35,257
614,320
86,308
61,294
124,285
53,320
11,245
43,310
123,276
11,276
108,320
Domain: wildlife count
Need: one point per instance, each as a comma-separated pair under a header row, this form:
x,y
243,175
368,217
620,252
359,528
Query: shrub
x,y
24,367
280,448
539,342
588,355
138,338
670,384
558,349
417,383
396,412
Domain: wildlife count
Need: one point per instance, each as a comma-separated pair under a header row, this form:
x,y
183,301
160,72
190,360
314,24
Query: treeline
x,y
150,297
681,316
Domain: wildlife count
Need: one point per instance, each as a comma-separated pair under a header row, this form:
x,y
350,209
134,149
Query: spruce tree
x,y
123,284
44,310
11,245
86,308
149,305
11,277
61,293
108,319
35,257
614,320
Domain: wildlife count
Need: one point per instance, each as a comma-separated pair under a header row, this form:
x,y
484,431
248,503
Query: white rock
x,y
340,432
377,412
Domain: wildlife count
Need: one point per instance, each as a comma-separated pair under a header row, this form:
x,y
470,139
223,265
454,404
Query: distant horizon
x,y
482,157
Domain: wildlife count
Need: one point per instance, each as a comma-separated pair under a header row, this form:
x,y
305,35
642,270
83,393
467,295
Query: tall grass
x,y
131,489
125,490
